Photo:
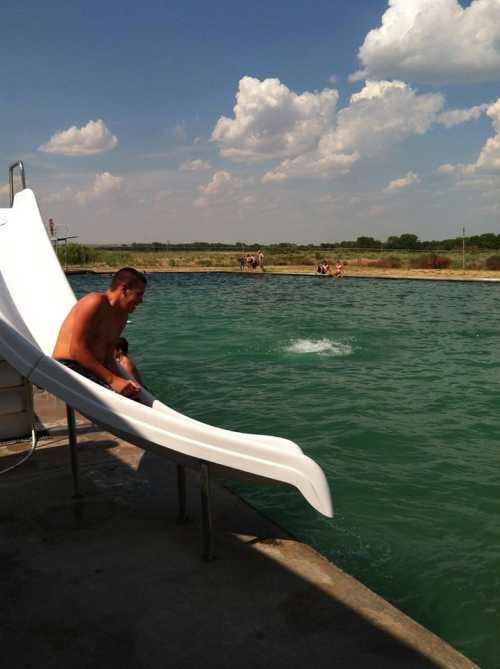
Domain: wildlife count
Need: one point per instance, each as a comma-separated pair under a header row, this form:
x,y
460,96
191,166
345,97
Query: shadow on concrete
x,y
112,581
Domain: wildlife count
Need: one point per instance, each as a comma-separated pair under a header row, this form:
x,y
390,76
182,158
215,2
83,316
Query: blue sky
x,y
231,121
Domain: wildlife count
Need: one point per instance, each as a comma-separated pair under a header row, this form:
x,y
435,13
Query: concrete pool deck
x,y
112,580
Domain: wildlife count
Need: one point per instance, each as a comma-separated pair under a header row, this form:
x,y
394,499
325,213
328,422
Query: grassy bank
x,y
77,255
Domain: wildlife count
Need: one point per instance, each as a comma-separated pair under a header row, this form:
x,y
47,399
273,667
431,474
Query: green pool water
x,y
392,386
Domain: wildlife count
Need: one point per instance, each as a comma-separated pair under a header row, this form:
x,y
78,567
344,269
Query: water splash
x,y
320,346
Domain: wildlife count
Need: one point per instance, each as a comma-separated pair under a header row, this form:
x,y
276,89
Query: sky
x,y
276,121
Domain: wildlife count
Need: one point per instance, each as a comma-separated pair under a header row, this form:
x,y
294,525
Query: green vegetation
x,y
430,261
403,252
493,263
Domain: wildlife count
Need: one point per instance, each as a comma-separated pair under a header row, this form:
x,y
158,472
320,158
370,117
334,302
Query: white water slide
x,y
35,297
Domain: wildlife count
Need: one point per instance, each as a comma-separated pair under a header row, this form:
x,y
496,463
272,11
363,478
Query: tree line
x,y
408,242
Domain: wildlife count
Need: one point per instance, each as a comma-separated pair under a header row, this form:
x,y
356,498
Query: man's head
x,y
129,277
130,284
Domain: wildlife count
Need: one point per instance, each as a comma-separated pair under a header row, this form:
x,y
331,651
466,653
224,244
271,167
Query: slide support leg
x,y
181,494
70,414
206,514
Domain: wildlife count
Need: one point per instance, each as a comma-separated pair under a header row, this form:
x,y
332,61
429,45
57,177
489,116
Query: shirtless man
x,y
86,341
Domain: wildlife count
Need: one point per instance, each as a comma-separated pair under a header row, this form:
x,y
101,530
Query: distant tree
x,y
405,241
392,242
409,241
485,241
368,243
449,244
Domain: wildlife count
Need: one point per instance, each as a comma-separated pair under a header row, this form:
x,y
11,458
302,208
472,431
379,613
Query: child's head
x,y
121,346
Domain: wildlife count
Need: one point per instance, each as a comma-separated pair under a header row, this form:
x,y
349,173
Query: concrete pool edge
x,y
368,628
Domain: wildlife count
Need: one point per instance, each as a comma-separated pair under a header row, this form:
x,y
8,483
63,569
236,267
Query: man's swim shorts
x,y
80,369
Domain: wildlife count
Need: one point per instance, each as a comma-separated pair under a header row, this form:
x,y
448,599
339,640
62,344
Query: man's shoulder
x,y
91,301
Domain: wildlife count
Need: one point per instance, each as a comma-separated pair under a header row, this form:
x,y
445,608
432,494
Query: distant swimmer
x,y
339,269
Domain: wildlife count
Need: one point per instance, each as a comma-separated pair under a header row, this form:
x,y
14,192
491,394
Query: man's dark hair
x,y
122,345
129,277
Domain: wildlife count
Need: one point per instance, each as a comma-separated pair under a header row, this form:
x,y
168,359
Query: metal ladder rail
x,y
20,165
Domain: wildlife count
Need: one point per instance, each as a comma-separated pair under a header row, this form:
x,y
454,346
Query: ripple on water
x,y
320,346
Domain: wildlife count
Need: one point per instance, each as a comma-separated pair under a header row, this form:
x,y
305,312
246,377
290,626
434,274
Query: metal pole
x,y
208,553
463,248
73,445
181,494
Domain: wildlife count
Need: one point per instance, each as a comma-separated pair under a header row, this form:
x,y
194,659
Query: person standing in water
x,y
122,356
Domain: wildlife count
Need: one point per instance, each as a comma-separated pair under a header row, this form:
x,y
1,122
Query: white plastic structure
x,y
35,297
16,403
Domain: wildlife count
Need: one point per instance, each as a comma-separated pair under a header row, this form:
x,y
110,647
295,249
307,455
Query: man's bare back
x,y
88,334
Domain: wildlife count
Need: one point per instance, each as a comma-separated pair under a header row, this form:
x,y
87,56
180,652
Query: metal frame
x,y
73,445
208,539
20,165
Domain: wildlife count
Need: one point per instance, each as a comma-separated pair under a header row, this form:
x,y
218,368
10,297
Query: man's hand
x,y
125,387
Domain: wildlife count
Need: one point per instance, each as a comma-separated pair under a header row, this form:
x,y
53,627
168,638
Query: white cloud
x,y
383,113
458,169
88,140
457,116
221,187
225,189
195,166
404,182
447,168
104,183
271,121
434,41
219,181
320,162
380,115
489,157
377,89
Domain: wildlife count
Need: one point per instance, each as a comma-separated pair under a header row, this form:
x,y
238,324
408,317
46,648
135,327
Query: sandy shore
x,y
350,271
